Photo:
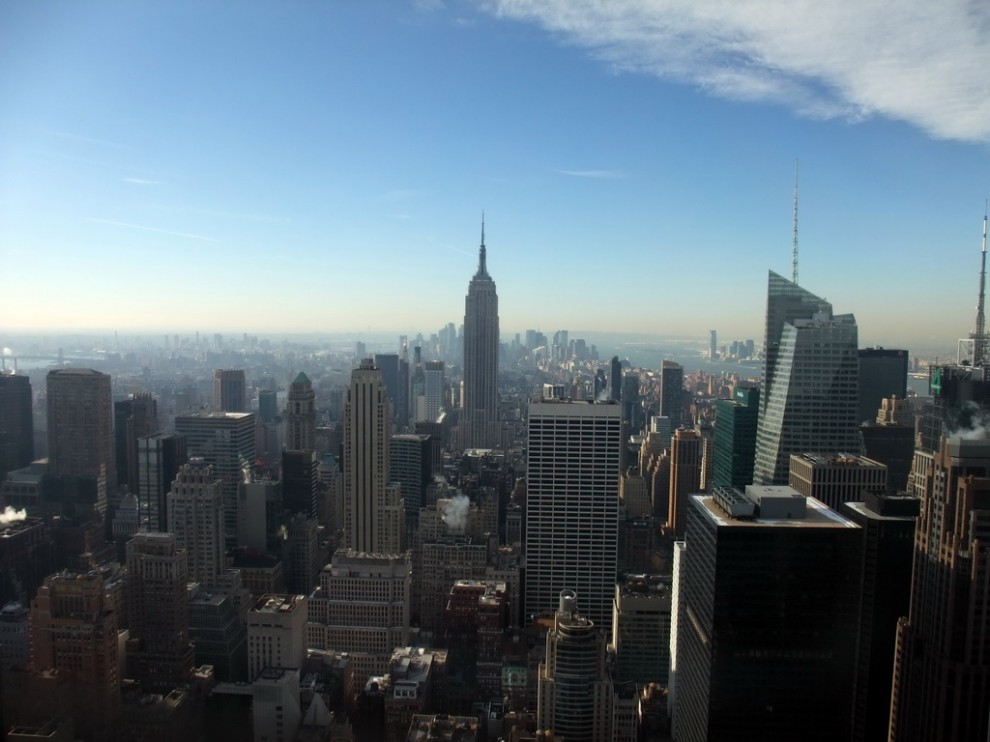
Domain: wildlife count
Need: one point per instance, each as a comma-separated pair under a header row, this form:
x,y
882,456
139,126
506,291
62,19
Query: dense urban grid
x,y
469,539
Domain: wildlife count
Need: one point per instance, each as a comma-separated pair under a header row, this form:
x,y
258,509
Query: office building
x,y
672,393
275,711
890,440
435,387
27,556
159,651
735,438
276,633
885,594
132,418
74,632
641,614
159,457
574,693
229,390
413,461
267,405
16,423
712,345
196,518
810,392
362,607
373,510
836,478
225,441
300,415
479,421
941,687
767,634
882,374
300,481
685,478
572,505
614,380
80,430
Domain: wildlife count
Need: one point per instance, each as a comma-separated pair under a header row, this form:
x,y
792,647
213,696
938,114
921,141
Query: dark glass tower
x,y
882,374
735,438
480,420
16,423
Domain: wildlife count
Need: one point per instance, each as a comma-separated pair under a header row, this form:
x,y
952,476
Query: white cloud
x,y
142,181
144,228
917,61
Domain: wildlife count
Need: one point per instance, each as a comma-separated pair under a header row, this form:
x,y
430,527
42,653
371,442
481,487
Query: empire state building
x,y
480,428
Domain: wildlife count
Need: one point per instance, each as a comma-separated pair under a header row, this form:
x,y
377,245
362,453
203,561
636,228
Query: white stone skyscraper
x,y
811,382
479,422
572,505
373,516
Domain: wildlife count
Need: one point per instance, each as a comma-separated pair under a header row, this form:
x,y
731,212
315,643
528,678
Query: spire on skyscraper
x,y
482,267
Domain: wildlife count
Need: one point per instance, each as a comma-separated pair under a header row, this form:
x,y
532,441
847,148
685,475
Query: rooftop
x,y
817,515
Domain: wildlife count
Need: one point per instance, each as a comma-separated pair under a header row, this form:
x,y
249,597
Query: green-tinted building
x,y
735,438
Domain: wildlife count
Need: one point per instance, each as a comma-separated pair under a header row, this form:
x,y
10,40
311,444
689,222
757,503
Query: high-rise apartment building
x,y
80,429
810,393
373,511
574,693
735,438
882,374
225,440
159,458
479,422
941,686
229,390
132,418
300,415
767,633
572,504
196,518
16,423
672,393
159,651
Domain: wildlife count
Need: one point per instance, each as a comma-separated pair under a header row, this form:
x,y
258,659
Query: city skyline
x,y
158,156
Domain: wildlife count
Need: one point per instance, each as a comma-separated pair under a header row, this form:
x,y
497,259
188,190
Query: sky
x,y
323,165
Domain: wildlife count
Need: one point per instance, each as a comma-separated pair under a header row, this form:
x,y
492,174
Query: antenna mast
x,y
980,336
794,251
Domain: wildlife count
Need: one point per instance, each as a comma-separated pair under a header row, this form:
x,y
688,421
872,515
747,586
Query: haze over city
x,y
320,166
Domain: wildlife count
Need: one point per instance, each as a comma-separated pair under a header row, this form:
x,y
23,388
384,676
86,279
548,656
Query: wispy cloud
x,y
600,174
144,228
88,140
142,181
917,61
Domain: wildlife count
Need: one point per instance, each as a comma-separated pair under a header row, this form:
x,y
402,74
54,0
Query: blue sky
x,y
323,165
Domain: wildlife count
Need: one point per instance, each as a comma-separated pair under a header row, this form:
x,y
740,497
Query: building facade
x,y
480,423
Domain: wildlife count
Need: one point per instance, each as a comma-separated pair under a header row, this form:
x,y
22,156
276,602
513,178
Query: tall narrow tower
x,y
300,415
372,506
480,421
229,390
810,382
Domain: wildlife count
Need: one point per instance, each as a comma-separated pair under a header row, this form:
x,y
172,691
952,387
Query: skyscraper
x,y
480,419
229,390
810,394
436,388
574,692
196,518
882,374
16,423
300,415
159,652
225,440
735,438
373,517
80,428
767,633
159,458
132,419
572,505
942,666
685,477
672,393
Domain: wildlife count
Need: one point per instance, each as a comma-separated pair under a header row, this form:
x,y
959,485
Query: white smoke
x,y
971,423
9,515
454,512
